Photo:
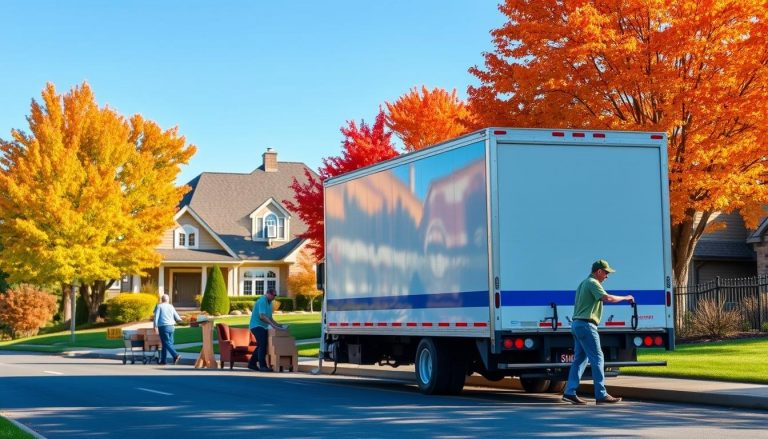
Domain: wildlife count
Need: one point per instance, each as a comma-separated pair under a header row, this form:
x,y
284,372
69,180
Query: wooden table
x,y
206,358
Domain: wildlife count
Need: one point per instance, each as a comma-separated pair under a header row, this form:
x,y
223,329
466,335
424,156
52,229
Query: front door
x,y
185,287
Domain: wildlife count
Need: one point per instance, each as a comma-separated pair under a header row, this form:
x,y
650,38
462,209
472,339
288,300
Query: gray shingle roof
x,y
723,250
225,201
173,255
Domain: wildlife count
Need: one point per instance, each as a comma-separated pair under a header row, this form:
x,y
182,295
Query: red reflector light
x,y
598,135
656,136
578,134
508,343
519,343
669,298
558,134
497,299
658,340
648,341
500,132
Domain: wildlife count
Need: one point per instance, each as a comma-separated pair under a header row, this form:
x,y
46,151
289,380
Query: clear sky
x,y
237,77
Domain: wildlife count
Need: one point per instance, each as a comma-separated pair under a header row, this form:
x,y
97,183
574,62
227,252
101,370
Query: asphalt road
x,y
93,398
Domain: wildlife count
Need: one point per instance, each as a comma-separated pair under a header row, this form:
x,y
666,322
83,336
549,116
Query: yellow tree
x,y
303,280
86,194
428,117
695,69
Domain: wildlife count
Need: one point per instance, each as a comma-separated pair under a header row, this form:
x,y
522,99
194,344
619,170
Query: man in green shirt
x,y
587,312
261,320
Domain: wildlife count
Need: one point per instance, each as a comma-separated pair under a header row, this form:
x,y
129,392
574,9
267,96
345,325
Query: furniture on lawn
x,y
235,344
206,358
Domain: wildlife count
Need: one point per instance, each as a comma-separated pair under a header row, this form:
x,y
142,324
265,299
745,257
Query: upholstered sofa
x,y
235,344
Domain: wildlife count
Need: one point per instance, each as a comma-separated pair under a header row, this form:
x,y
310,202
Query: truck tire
x,y
556,386
433,368
458,373
534,385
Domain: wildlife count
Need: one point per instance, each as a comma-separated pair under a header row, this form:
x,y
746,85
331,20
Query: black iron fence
x,y
747,296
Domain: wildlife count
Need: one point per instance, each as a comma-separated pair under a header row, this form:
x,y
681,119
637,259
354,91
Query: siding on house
x,y
205,240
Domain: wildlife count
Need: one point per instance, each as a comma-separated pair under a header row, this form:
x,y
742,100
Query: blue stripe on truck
x,y
466,299
566,298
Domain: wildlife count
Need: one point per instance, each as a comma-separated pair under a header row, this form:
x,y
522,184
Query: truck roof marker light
x,y
499,132
578,134
558,134
598,135
656,136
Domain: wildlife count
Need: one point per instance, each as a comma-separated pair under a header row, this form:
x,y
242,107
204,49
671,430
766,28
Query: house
x,y
724,252
759,241
237,221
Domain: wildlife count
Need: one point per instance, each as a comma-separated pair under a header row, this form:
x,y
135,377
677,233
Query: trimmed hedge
x,y
243,303
215,298
129,307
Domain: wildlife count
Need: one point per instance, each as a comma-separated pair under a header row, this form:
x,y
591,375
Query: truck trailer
x,y
464,257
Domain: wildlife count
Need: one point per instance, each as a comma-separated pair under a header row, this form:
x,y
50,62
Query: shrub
x,y
215,299
242,303
282,304
25,309
128,307
764,328
712,320
303,304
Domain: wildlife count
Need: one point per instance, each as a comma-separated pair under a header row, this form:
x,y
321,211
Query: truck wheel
x,y
432,368
458,373
534,385
556,386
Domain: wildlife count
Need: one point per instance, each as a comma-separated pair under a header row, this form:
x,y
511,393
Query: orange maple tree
x,y
696,69
426,118
362,146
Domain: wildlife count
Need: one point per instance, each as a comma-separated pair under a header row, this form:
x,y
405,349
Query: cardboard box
x,y
279,333
281,344
282,363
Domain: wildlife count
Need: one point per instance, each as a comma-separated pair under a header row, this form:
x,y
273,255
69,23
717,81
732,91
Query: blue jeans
x,y
586,345
166,339
260,356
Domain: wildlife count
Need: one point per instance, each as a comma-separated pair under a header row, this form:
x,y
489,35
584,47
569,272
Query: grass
x,y
309,350
10,431
302,326
733,360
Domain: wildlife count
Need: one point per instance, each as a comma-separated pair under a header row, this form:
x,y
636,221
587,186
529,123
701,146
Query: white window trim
x,y
243,271
261,213
186,230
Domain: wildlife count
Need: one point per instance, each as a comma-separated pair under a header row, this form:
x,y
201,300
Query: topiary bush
x,y
129,307
24,310
215,299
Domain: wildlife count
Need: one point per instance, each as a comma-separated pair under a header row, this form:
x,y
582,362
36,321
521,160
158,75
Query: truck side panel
x,y
407,246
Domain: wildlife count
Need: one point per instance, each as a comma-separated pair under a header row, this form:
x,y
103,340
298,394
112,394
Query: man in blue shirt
x,y
165,320
261,320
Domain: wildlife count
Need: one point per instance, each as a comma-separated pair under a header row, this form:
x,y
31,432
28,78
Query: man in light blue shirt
x,y
165,320
261,320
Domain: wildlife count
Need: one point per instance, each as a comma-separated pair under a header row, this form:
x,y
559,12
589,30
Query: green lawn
x,y
302,326
743,361
9,431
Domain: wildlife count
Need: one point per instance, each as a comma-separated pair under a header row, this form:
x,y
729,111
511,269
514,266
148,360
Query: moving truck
x,y
464,257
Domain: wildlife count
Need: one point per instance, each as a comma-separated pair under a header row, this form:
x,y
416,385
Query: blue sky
x,y
237,77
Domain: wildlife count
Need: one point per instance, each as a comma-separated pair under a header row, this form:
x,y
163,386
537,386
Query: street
x,y
61,397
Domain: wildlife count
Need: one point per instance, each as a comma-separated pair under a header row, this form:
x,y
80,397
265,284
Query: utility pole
x,y
73,305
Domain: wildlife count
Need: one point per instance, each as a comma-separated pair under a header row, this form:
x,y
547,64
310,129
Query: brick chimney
x,y
269,160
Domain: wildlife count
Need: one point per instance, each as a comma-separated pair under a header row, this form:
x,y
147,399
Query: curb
x,y
23,427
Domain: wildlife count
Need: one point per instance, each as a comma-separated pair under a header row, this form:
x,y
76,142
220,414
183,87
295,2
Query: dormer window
x,y
270,222
185,236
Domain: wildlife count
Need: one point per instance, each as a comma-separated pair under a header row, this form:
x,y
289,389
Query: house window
x,y
257,281
271,226
270,221
186,236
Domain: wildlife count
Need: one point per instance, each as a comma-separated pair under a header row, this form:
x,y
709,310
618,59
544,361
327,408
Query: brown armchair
x,y
235,344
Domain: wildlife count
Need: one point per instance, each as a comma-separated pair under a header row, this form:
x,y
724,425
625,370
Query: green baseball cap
x,y
602,264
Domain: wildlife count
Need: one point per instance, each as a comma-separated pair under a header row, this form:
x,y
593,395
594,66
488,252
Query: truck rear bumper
x,y
608,364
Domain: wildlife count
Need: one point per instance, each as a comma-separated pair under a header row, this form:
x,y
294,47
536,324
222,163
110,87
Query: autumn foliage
x,y
695,69
24,310
86,193
362,146
302,280
426,118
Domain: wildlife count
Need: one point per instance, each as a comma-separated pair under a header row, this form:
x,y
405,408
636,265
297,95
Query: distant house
x,y
727,252
237,221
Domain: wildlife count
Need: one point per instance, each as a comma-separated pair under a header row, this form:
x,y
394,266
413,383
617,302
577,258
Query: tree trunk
x,y
94,295
66,304
685,236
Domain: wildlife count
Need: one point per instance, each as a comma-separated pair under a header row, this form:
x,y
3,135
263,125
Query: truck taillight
x,y
497,299
658,340
518,343
669,298
508,343
648,340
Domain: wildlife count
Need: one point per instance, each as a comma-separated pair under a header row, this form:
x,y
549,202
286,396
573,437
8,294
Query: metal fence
x,y
748,296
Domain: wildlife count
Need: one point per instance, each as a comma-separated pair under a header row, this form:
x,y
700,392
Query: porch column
x,y
230,281
161,280
203,278
236,281
136,284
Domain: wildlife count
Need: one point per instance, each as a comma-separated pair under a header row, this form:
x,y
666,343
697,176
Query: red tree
x,y
362,146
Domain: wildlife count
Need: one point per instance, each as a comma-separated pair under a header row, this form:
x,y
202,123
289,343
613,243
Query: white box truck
x,y
464,257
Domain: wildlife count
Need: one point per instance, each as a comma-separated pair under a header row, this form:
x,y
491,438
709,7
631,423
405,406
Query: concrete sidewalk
x,y
751,396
